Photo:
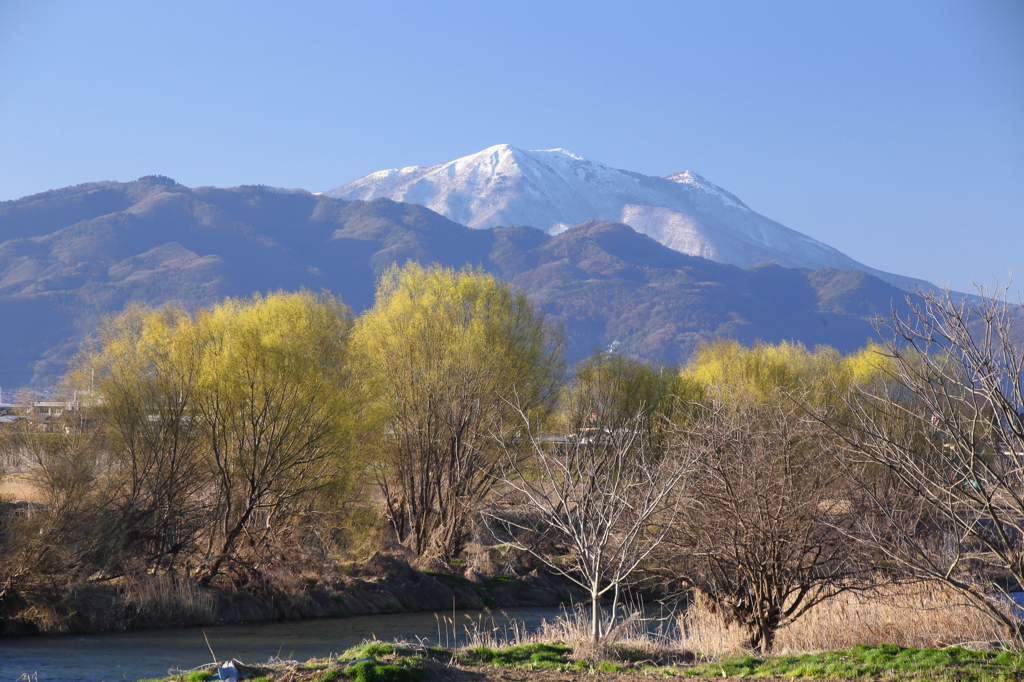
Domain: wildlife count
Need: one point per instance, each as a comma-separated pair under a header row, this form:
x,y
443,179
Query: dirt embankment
x,y
387,584
381,584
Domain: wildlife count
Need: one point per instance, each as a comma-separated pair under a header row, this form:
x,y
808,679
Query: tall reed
x,y
169,599
918,615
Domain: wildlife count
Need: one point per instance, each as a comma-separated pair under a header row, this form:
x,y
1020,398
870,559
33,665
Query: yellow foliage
x,y
218,422
867,364
762,370
435,330
448,360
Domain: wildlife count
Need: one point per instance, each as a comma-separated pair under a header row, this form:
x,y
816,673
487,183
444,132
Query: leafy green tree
x,y
449,359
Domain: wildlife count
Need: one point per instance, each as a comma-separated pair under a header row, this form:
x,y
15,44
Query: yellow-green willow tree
x,y
145,370
275,405
219,426
609,392
450,359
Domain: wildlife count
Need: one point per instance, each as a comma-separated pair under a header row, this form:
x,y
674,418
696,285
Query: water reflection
x,y
136,655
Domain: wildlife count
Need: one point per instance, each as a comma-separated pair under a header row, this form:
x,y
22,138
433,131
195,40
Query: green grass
x,y
521,656
403,670
330,676
883,661
374,650
500,579
194,676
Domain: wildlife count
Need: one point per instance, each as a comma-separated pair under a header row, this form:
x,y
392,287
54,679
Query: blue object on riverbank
x,y
228,672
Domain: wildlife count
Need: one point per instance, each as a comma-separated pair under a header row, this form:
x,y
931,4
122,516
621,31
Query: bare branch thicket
x,y
943,433
67,535
760,540
439,456
592,509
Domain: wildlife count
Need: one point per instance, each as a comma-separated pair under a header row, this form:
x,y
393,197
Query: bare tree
x,y
595,508
942,433
67,536
761,538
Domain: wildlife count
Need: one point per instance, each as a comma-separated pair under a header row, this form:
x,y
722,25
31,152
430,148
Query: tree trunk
x,y
226,548
762,635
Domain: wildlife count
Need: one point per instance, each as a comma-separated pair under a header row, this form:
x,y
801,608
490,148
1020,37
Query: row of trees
x,y
225,441
766,479
197,435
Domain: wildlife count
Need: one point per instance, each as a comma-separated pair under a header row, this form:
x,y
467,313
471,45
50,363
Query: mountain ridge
x,y
69,264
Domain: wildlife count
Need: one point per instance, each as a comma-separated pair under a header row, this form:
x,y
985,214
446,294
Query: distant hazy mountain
x,y
71,256
552,189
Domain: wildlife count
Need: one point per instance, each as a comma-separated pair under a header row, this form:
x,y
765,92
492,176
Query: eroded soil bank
x,y
381,584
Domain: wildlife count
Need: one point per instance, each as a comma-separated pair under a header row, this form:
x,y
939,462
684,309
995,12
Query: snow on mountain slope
x,y
554,188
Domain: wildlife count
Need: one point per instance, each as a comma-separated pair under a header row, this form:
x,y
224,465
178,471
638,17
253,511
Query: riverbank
x,y
382,584
556,662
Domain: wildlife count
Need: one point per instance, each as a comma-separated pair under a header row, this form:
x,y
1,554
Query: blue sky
x,y
893,131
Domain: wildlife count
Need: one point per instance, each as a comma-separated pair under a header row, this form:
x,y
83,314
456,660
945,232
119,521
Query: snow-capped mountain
x,y
553,189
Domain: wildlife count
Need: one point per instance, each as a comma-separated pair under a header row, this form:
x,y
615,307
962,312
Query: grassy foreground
x,y
382,662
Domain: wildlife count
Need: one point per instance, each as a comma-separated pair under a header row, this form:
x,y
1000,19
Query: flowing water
x,y
150,653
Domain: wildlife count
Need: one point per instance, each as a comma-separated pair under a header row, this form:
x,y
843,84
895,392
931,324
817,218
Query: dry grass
x,y
170,600
16,487
572,628
703,631
916,615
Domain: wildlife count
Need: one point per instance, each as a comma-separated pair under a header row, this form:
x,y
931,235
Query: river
x,y
150,653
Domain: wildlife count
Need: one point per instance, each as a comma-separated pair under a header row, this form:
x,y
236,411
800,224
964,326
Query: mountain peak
x,y
552,189
698,182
